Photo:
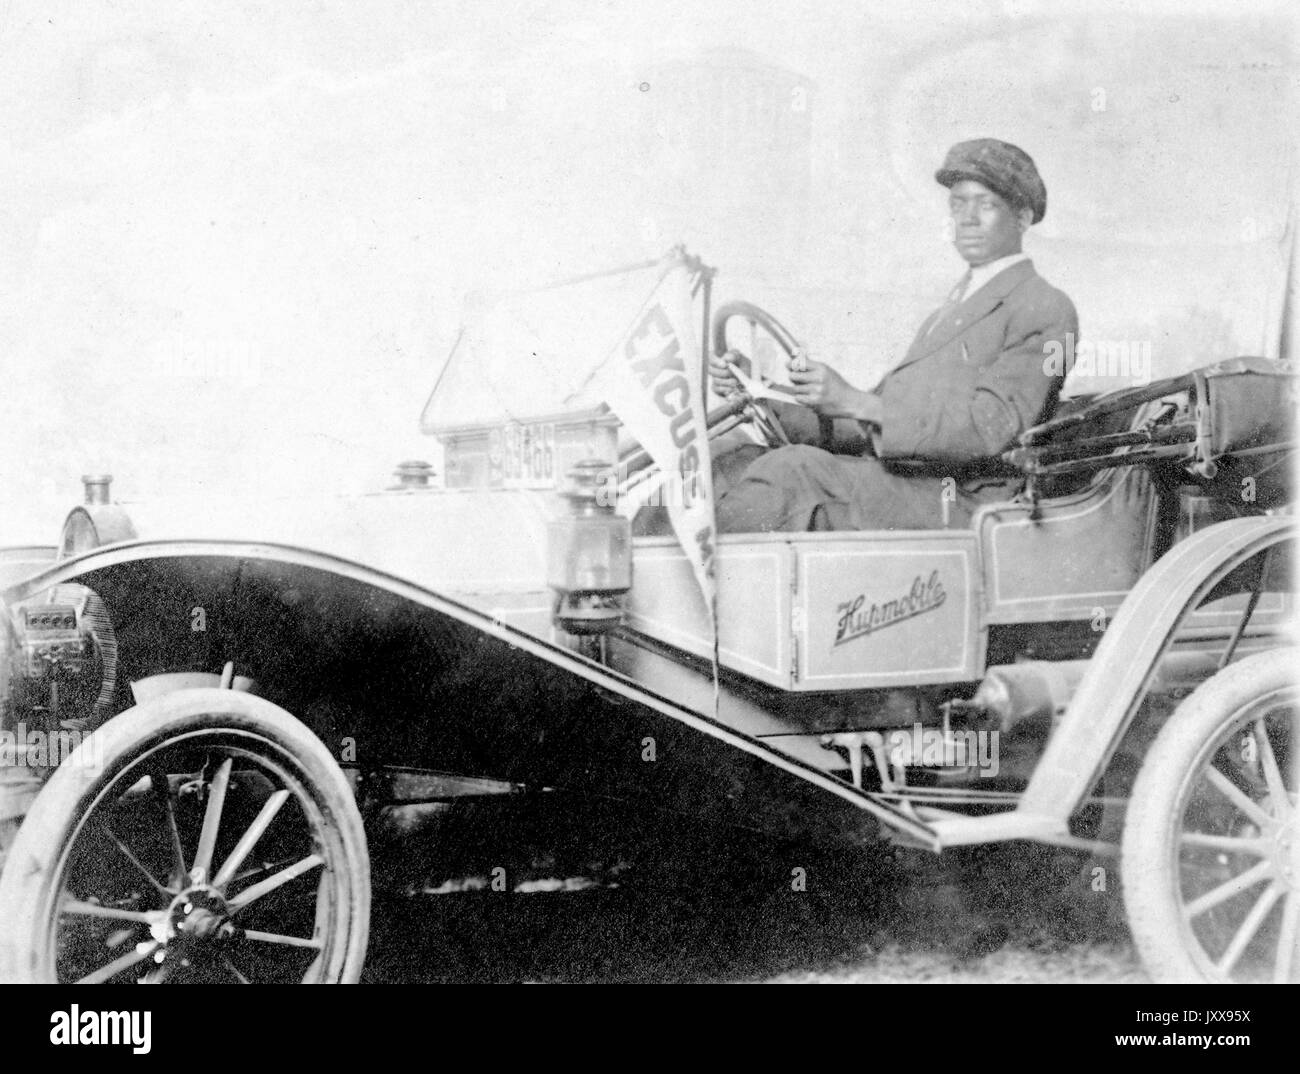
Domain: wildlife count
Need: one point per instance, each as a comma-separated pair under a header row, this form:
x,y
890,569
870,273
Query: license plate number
x,y
527,454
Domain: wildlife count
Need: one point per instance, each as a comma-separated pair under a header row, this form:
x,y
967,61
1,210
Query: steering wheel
x,y
760,411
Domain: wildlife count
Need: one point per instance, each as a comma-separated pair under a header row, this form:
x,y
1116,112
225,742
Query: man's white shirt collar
x,y
981,274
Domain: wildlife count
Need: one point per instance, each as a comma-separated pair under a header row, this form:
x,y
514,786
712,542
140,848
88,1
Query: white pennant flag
x,y
652,382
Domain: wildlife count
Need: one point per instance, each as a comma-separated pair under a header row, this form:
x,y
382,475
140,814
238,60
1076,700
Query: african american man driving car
x,y
935,426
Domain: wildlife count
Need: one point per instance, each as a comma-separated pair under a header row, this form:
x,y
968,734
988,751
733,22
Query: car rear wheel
x,y
1211,854
202,836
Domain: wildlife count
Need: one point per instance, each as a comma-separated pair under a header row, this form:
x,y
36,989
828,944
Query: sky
x,y
238,238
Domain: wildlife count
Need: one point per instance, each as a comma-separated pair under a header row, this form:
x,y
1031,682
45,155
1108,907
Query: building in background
x,y
728,140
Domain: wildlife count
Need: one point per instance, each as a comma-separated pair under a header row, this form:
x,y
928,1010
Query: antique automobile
x,y
242,686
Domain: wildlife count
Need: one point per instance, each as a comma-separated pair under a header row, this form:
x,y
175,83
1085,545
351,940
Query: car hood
x,y
464,543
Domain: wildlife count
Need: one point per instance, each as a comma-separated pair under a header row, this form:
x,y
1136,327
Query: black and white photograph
x,y
666,493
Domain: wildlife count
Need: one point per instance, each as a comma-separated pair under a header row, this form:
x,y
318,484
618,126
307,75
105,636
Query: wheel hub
x,y
198,917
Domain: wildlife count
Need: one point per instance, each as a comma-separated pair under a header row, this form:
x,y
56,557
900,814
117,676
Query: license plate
x,y
524,455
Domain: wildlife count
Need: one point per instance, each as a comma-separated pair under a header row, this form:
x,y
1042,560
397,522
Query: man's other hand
x,y
818,386
724,381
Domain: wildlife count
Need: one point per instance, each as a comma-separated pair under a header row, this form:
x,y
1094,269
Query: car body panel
x,y
1116,681
829,611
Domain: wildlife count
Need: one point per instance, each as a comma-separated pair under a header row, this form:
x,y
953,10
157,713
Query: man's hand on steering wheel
x,y
820,387
814,384
724,380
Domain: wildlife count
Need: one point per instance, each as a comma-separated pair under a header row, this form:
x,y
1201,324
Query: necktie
x,y
954,299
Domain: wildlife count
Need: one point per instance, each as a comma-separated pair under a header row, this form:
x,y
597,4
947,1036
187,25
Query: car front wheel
x,y
203,836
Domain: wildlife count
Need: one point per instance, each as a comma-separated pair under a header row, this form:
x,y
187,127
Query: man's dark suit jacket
x,y
975,376
973,380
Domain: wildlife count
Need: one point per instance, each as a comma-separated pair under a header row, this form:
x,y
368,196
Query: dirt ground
x,y
614,899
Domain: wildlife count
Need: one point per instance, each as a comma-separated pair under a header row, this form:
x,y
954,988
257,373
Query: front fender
x,y
735,722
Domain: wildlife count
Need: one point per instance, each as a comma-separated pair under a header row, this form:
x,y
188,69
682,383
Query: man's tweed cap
x,y
1002,167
